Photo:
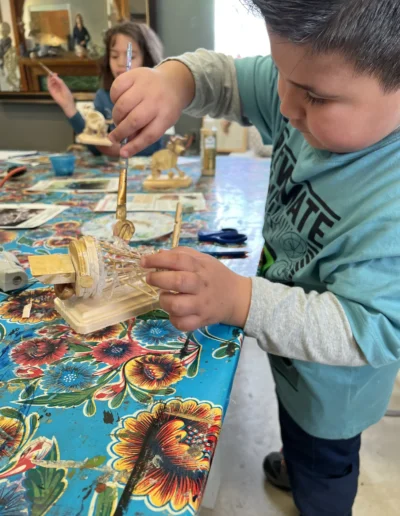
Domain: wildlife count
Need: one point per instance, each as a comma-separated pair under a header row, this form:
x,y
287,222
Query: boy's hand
x,y
198,290
61,94
148,102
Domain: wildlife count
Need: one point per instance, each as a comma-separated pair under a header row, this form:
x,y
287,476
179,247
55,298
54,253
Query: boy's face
x,y
335,108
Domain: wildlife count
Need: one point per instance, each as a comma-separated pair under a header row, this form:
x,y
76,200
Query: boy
x,y
327,305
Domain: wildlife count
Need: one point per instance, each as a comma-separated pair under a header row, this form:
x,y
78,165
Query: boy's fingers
x,y
190,323
174,260
182,305
150,134
127,103
121,85
132,124
182,282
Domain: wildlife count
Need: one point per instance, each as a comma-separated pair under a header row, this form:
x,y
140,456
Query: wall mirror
x,y
66,36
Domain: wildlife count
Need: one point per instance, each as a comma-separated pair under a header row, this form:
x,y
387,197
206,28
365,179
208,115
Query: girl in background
x,y
146,51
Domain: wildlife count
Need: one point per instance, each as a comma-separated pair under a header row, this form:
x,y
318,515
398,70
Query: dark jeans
x,y
323,473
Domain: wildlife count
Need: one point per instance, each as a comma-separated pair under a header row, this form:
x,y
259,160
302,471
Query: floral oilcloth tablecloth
x,y
125,420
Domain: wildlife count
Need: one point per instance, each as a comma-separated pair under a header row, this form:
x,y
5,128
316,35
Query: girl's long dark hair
x,y
149,44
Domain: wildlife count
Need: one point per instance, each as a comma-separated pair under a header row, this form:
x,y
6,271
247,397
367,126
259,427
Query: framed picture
x,y
52,23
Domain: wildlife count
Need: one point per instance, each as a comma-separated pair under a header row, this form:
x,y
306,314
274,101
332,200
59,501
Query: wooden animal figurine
x,y
99,283
166,160
95,132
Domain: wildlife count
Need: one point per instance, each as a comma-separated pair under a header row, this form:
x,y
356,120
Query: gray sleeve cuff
x,y
288,322
217,91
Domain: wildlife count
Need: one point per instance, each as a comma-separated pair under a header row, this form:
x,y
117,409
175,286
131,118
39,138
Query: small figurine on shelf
x,y
95,132
167,160
81,36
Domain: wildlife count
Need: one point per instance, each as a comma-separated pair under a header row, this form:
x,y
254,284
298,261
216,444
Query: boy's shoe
x,y
275,470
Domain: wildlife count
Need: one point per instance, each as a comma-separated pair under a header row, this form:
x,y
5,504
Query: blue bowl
x,y
63,164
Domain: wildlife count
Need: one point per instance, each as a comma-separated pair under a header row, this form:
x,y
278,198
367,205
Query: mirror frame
x,y
27,94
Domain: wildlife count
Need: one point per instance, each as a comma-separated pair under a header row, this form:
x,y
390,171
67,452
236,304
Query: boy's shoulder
x,y
257,79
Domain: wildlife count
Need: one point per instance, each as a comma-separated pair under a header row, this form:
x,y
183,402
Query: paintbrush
x,y
177,227
128,67
47,70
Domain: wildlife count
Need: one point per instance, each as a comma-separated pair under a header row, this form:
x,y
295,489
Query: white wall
x,y
94,13
239,32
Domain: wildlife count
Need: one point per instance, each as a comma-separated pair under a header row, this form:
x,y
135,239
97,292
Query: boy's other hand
x,y
197,290
148,102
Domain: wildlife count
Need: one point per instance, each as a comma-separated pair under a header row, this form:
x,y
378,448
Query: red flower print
x,y
110,391
115,352
36,352
59,241
67,225
42,306
29,372
184,434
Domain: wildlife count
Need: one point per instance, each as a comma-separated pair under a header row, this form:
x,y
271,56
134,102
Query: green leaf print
x,y
44,486
104,503
156,314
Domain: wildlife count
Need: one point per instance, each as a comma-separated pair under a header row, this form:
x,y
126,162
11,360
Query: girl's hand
x,y
197,289
61,94
148,102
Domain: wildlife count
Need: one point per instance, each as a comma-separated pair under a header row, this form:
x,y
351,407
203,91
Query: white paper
x,y
144,162
155,202
30,161
27,216
6,154
99,184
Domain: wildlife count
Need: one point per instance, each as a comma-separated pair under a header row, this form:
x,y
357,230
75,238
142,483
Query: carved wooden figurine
x,y
166,160
99,283
95,132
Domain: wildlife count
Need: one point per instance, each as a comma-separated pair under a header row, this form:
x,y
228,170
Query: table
x,y
125,420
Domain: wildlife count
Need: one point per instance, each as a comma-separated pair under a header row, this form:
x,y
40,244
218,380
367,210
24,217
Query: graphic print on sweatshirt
x,y
296,218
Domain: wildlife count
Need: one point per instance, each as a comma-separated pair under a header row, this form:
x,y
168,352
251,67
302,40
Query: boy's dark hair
x,y
366,32
149,44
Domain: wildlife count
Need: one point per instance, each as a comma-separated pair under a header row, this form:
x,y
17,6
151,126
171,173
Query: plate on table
x,y
148,226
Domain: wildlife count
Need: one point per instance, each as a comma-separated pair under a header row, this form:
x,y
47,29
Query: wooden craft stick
x,y
47,70
190,417
177,227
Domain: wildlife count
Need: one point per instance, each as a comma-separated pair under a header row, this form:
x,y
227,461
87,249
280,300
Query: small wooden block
x,y
164,182
52,269
89,315
86,139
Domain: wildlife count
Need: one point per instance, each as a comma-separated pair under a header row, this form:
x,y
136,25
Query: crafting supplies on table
x,y
87,417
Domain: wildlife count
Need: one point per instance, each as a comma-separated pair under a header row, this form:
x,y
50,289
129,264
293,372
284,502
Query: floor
x,y
247,437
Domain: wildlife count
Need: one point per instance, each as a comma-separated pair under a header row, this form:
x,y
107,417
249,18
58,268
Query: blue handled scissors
x,y
224,236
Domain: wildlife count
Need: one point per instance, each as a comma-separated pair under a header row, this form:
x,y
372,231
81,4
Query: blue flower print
x,y
13,499
67,377
155,332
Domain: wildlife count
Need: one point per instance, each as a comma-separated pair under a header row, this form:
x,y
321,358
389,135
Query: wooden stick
x,y
190,417
49,72
177,227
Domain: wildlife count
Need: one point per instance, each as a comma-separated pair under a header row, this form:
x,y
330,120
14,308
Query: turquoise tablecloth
x,y
83,418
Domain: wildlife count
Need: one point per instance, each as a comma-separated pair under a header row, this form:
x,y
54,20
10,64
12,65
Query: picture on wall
x,y
50,24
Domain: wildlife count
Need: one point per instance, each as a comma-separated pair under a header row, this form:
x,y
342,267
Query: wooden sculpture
x,y
166,160
123,227
99,283
95,132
